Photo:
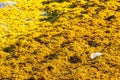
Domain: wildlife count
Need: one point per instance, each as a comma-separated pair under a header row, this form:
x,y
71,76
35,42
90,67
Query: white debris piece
x,y
96,54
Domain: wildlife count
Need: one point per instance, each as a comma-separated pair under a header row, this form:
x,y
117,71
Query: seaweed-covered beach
x,y
57,39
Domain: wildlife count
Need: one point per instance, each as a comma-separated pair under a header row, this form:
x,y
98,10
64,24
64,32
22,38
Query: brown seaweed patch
x,y
50,68
31,78
85,37
110,17
50,1
104,1
118,9
51,56
38,39
9,49
41,78
107,31
89,4
64,44
100,8
92,43
74,59
73,5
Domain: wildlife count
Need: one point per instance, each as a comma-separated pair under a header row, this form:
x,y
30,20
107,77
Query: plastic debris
x,y
94,55
2,4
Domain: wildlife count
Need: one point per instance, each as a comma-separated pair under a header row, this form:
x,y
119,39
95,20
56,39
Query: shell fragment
x,y
96,54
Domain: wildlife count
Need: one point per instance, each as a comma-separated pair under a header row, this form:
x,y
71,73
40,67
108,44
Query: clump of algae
x,y
57,44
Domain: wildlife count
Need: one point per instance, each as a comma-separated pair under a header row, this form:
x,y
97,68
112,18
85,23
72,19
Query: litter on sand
x,y
96,54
